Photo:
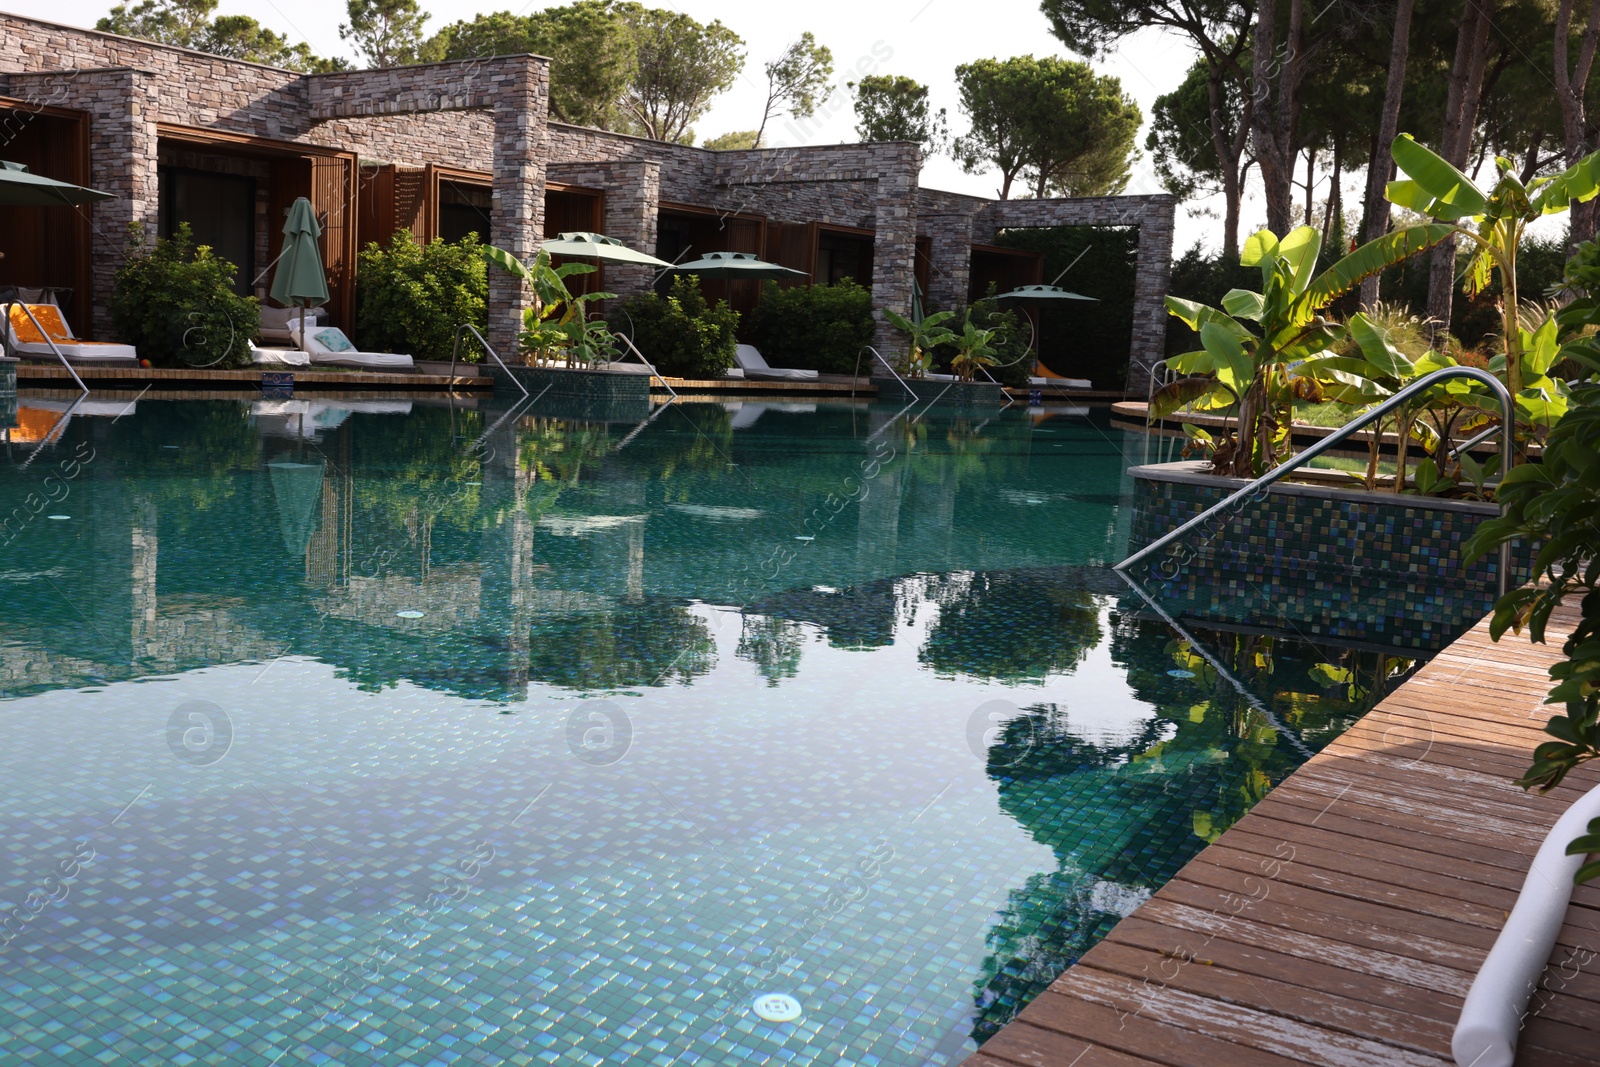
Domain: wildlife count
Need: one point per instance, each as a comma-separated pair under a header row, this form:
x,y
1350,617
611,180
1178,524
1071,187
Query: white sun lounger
x,y
56,328
316,343
1060,383
279,357
750,361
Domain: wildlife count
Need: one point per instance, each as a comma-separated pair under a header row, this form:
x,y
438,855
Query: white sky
x,y
922,39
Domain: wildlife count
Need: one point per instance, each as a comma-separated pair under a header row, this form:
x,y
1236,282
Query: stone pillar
x,y
521,96
1151,279
949,260
633,209
894,249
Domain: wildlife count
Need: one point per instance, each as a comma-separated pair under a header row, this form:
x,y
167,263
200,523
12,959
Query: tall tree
x,y
386,33
1278,66
1185,152
892,107
1571,84
1053,121
591,47
797,79
1218,29
1463,93
189,24
682,66
1380,168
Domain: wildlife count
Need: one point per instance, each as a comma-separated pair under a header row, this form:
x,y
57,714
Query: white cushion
x,y
1061,383
750,361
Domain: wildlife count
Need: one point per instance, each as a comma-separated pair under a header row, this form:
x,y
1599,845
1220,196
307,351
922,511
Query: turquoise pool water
x,y
429,732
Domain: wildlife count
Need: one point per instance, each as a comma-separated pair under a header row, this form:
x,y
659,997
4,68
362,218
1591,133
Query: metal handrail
x,y
51,341
648,365
455,350
1507,428
886,365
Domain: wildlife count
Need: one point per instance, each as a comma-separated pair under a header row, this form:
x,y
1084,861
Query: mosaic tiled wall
x,y
8,393
958,394
1328,565
623,391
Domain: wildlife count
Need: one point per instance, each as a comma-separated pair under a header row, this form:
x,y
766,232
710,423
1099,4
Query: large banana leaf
x,y
1372,258
1541,349
1437,188
1243,304
1196,315
1181,393
1235,368
507,262
1383,356
1301,247
1580,182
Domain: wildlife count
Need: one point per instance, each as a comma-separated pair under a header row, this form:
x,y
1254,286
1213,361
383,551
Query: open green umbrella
x,y
736,266
21,188
1043,292
299,280
597,246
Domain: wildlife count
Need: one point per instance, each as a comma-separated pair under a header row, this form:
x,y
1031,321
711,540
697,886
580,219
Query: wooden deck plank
x,y
1341,921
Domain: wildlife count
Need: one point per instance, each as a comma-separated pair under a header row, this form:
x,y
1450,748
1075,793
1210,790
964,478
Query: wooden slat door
x,y
335,198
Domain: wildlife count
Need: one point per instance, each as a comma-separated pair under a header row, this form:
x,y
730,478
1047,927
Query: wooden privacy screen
x,y
48,246
393,198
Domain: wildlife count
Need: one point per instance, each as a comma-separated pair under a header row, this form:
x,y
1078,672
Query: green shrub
x,y
680,333
413,297
816,327
175,303
1013,363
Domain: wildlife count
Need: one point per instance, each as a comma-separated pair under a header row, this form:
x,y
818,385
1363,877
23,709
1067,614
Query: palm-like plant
x,y
974,348
926,334
1259,371
557,323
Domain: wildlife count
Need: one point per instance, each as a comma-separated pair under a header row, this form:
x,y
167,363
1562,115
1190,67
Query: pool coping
x,y
1282,943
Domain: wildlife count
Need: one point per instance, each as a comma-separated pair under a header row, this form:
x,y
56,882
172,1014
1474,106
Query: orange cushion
x,y
49,317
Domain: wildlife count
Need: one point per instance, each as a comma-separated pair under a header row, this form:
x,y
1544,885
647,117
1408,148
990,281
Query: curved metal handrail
x,y
1507,428
650,366
455,350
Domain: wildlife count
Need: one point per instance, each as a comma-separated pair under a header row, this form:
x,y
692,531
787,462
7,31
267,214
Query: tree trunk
x,y
1335,207
1569,93
1375,215
1273,126
1311,181
1228,150
1455,142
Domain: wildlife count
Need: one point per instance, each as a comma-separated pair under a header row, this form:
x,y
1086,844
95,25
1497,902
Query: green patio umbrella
x,y
299,280
1043,292
21,188
736,266
597,246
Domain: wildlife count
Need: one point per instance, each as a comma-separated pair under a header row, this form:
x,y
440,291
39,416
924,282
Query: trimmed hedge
x,y
815,327
413,297
680,333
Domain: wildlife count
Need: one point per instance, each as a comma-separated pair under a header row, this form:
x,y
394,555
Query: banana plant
x,y
974,349
557,322
1258,370
1494,222
926,334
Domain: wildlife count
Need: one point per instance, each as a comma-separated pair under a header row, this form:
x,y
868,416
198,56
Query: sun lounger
x,y
754,366
275,322
1060,383
26,340
328,346
279,357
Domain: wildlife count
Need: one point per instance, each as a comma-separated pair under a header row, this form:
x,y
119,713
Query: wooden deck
x,y
44,374
1341,921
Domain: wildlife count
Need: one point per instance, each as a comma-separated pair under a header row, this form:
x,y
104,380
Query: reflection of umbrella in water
x,y
297,488
737,266
1048,293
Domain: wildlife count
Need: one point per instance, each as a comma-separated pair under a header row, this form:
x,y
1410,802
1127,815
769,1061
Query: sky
x,y
921,39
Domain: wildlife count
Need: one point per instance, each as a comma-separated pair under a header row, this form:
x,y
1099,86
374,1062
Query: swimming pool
x,y
433,731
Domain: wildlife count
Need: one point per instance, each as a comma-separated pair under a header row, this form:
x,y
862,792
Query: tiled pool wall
x,y
1326,562
957,394
599,385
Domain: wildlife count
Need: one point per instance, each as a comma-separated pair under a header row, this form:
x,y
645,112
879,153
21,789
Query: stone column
x,y
633,209
1151,280
949,260
894,249
521,96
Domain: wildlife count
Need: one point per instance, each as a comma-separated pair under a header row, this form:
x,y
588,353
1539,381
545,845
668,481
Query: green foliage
x,y
1010,341
1180,142
189,24
681,66
387,33
413,297
593,55
895,108
1053,122
175,302
1556,505
816,327
733,140
682,334
923,336
557,324
1081,340
797,79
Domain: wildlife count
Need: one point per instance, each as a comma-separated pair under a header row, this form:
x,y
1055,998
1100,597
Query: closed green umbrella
x,y
736,266
597,246
299,280
21,188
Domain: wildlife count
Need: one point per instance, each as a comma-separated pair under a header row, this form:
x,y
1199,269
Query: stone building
x,y
440,149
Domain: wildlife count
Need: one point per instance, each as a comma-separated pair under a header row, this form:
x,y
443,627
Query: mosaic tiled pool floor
x,y
355,737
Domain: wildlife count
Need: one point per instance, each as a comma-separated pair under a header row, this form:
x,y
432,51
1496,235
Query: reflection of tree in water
x,y
632,645
1123,818
773,645
860,617
1011,627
